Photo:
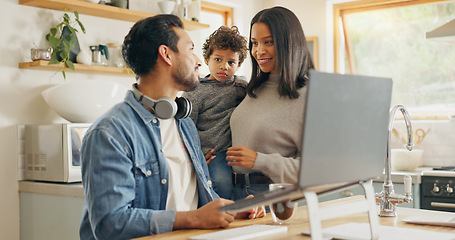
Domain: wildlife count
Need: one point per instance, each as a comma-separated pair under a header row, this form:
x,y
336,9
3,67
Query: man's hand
x,y
209,156
206,217
241,156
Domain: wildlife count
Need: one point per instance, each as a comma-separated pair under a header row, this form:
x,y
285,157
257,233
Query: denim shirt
x,y
125,175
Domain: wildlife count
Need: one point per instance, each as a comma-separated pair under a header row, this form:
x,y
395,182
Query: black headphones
x,y
164,107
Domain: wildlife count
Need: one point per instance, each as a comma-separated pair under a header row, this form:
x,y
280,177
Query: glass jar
x,y
115,51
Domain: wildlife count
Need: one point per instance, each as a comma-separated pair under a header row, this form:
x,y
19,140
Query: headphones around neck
x,y
164,107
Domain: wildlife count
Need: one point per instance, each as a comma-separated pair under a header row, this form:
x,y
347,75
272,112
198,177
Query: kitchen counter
x,y
398,176
50,188
439,173
61,204
76,190
301,223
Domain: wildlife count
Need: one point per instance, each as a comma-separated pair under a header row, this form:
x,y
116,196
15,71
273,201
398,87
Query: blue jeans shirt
x,y
125,175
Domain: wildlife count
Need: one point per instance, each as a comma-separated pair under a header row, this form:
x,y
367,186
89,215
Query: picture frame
x,y
313,47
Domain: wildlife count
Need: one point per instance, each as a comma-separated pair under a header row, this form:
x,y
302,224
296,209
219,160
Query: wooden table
x,y
300,222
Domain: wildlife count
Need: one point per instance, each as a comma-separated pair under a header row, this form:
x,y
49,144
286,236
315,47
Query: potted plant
x,y
63,41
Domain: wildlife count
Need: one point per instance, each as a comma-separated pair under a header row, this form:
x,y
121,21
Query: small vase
x,y
74,50
166,7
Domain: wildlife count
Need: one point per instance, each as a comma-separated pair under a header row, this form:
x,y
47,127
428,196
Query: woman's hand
x,y
241,156
209,156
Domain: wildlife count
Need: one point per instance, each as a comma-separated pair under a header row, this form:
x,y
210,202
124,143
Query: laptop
x,y
344,138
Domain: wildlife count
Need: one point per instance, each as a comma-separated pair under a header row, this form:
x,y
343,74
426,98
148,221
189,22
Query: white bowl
x,y
166,7
83,101
404,160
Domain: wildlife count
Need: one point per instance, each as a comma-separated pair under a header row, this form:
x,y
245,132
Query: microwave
x,y
53,151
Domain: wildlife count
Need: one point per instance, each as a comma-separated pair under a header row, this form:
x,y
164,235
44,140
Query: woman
x,y
266,127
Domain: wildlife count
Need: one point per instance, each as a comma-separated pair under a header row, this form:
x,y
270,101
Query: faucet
x,y
388,198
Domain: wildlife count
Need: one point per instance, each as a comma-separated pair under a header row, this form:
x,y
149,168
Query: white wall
x,y
24,28
312,16
243,13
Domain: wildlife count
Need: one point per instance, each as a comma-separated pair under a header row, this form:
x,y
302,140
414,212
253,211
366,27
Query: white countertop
x,y
60,189
439,173
76,190
398,176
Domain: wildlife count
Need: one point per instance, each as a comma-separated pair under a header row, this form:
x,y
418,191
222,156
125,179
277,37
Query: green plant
x,y
63,39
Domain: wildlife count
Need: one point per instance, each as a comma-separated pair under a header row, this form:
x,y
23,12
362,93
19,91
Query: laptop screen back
x,y
345,128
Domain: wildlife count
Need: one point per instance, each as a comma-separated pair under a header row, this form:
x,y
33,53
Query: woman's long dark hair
x,y
293,59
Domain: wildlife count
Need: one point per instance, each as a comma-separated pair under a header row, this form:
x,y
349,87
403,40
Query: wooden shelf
x,y
79,68
100,10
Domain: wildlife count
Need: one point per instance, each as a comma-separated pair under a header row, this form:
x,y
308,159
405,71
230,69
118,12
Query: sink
x,y
83,101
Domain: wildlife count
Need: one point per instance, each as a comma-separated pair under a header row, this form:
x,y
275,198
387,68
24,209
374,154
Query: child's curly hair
x,y
226,38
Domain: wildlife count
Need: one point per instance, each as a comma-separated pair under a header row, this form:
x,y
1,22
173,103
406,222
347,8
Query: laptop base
x,y
316,215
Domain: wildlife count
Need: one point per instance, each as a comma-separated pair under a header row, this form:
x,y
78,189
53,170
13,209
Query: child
x,y
215,99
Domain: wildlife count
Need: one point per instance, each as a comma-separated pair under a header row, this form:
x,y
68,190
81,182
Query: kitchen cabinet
x,y
50,216
50,210
98,10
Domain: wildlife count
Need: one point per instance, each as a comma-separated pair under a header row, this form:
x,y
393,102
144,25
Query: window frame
x,y
340,9
225,11
361,6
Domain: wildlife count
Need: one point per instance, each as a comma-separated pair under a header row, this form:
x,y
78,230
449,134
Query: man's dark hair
x,y
140,47
226,38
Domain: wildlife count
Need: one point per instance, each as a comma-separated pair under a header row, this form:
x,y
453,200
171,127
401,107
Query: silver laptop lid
x,y
345,128
344,136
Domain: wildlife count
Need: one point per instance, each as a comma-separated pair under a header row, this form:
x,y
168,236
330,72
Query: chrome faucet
x,y
388,197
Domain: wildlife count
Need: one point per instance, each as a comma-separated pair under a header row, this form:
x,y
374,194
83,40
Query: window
x,y
387,38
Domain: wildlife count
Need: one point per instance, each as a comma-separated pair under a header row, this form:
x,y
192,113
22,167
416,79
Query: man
x,y
142,174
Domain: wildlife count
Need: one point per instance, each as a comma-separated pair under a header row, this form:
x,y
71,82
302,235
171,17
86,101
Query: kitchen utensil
x,y
420,135
399,136
41,54
97,52
396,134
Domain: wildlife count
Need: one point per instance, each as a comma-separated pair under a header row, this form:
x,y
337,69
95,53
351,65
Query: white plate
x,y
447,221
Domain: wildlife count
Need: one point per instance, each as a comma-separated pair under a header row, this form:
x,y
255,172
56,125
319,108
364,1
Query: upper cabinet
x,y
100,10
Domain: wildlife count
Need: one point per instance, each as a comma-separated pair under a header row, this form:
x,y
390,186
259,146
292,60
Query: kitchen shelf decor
x,y
63,40
100,10
79,68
